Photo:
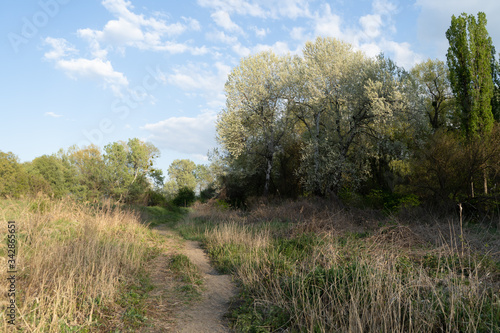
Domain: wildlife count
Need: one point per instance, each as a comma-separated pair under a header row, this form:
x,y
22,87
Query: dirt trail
x,y
199,316
207,314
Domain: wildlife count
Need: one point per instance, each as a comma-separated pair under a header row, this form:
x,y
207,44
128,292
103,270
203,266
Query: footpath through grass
x,y
80,267
306,268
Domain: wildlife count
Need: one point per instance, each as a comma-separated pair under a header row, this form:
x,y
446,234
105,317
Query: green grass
x,y
155,215
189,274
133,299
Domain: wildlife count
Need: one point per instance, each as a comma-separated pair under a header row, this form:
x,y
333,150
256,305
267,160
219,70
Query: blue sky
x,y
99,71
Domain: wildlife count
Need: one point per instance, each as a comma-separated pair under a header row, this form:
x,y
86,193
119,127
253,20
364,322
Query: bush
x,y
156,199
207,194
185,197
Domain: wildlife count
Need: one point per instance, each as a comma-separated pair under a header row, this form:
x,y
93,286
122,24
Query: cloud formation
x,y
191,135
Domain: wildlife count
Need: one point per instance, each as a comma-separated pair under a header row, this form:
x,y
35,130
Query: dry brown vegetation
x,y
76,264
312,267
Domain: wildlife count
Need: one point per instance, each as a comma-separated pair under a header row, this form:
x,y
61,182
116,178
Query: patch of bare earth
x,y
207,314
168,311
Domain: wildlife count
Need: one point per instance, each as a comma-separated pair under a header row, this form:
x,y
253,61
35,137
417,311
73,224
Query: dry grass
x,y
327,270
72,260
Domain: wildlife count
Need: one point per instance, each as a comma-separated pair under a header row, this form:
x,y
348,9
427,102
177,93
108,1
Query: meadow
x,y
300,266
305,266
80,267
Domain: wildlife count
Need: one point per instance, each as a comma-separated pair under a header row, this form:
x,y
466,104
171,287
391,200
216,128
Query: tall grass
x,y
325,280
72,260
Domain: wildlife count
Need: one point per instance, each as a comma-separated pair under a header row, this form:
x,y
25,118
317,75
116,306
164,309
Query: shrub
x,y
185,197
156,199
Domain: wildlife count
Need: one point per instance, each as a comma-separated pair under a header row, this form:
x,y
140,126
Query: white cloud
x,y
373,34
241,50
384,7
370,49
240,7
280,48
328,24
261,33
192,23
220,36
261,8
201,77
190,135
137,31
60,48
371,25
95,69
52,114
289,8
223,20
402,53
298,33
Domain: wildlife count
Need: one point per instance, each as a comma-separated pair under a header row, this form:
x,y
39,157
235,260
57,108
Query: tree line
x,y
336,123
330,122
123,171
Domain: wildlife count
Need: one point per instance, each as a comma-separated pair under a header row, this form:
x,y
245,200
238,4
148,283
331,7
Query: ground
x,y
169,310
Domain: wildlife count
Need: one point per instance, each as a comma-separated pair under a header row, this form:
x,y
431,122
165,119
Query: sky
x,y
78,72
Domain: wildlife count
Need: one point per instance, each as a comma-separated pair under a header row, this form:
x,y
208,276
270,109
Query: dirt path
x,y
204,315
207,314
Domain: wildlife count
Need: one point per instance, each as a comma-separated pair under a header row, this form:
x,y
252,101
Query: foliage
x,y
124,172
470,59
13,180
433,85
184,198
255,119
447,168
182,174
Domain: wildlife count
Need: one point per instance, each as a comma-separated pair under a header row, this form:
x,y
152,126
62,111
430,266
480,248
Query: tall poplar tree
x,y
470,57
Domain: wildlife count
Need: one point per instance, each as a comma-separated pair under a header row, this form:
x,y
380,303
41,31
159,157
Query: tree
x,y
13,180
470,58
89,167
433,85
345,101
129,169
141,156
181,174
118,175
52,170
256,116
204,177
495,100
185,197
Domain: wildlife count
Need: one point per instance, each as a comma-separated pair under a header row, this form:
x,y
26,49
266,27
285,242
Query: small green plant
x,y
188,273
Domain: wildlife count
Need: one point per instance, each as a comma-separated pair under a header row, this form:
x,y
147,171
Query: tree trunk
x,y
485,178
317,187
268,176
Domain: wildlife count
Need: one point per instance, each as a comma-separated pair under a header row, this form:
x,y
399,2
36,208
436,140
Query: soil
x,y
207,315
167,311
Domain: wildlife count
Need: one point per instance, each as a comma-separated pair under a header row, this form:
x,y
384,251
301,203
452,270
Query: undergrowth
x,y
324,271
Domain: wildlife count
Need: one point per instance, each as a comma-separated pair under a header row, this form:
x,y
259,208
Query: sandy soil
x,y
207,314
167,313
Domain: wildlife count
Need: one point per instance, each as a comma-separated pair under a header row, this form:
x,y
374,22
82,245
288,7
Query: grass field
x,y
301,266
307,267
80,267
